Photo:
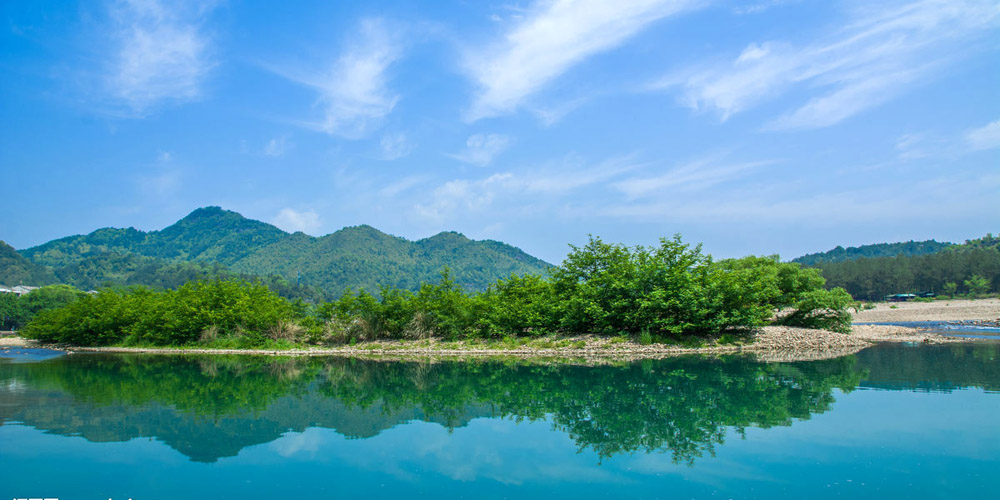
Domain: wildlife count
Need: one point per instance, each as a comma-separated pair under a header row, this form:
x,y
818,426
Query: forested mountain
x,y
841,254
16,270
874,278
215,242
207,234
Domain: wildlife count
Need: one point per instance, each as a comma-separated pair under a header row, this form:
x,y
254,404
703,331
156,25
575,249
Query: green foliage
x,y
977,285
247,311
668,293
949,288
12,313
519,305
822,309
95,319
671,290
450,311
234,308
17,311
49,297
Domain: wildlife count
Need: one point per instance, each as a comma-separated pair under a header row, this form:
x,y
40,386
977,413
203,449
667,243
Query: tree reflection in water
x,y
208,407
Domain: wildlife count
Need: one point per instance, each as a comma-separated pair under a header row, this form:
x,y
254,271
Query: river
x,y
893,420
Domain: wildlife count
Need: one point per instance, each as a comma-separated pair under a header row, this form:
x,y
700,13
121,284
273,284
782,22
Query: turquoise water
x,y
920,421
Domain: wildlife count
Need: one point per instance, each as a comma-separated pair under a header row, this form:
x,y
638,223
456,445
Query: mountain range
x,y
213,241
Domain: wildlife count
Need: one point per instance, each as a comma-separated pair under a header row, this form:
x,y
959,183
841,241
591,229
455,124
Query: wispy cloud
x,y
757,7
552,38
162,53
292,220
480,149
882,52
692,176
277,147
404,184
395,146
986,137
553,182
353,92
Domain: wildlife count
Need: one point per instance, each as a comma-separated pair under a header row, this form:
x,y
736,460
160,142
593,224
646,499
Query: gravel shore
x,y
939,310
771,343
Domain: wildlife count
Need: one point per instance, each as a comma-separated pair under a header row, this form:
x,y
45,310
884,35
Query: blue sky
x,y
757,126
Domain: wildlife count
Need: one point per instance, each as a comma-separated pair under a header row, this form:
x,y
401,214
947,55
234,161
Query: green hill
x,y
213,241
16,270
906,248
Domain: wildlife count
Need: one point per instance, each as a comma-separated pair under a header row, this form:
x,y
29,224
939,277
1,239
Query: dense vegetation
x,y
212,242
653,294
841,254
972,268
17,311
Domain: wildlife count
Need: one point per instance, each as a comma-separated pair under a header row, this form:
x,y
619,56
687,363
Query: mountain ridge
x,y
357,257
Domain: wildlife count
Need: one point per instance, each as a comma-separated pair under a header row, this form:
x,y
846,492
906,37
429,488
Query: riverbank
x,y
939,310
771,343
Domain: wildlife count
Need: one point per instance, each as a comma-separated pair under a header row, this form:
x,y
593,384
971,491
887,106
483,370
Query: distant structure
x,y
18,290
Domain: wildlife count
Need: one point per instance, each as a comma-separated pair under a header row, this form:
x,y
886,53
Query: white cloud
x,y
353,92
554,37
277,147
395,146
480,149
884,51
693,176
464,195
540,184
162,53
292,220
987,137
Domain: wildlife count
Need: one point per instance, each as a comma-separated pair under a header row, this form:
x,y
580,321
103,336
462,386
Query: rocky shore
x,y
771,343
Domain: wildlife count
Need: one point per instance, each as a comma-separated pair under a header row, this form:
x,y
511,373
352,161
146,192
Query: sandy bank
x,y
939,310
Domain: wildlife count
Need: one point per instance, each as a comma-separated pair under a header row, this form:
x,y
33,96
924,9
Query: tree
x,y
949,289
977,285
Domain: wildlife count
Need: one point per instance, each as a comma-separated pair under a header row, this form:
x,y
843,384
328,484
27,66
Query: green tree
x,y
12,313
949,289
977,285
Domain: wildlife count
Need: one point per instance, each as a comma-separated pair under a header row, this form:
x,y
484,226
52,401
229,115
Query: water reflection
x,y
209,407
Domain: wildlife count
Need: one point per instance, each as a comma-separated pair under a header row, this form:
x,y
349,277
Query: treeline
x,y
907,248
17,311
652,294
117,270
973,269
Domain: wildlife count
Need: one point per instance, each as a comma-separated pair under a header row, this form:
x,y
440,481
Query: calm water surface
x,y
920,421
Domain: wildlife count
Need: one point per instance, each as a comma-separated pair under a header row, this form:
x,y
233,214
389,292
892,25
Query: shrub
x,y
822,309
